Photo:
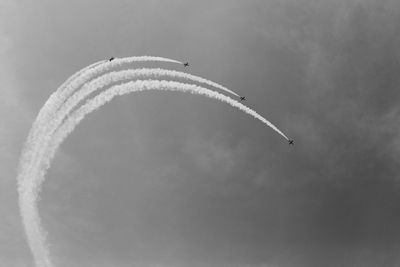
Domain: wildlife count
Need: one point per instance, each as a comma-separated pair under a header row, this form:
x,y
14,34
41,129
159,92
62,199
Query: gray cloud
x,y
174,180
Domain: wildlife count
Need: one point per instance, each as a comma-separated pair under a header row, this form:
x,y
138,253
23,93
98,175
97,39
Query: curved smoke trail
x,y
119,76
32,173
46,111
59,113
71,85
78,79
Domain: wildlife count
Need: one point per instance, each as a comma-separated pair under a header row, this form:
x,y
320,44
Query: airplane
x,y
111,59
242,98
186,64
291,142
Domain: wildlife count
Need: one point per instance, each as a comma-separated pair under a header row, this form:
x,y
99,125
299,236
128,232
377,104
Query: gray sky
x,y
167,179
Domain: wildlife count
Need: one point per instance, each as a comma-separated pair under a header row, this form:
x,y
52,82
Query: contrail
x,y
107,66
100,82
30,188
32,170
48,109
71,85
30,149
135,86
118,76
86,74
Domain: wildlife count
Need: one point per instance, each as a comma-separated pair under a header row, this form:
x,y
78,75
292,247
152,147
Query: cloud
x,y
325,71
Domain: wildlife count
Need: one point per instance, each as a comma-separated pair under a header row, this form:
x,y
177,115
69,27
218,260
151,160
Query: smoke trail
x,y
71,85
103,81
30,149
30,188
84,75
113,77
32,169
143,85
135,86
49,108
106,80
107,67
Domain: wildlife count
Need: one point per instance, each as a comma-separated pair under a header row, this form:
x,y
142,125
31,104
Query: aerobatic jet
x,y
186,64
291,142
242,98
111,59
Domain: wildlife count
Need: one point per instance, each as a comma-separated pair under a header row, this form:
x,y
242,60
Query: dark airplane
x,y
242,98
291,142
111,59
186,64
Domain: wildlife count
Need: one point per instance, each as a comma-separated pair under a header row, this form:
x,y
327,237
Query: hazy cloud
x,y
178,180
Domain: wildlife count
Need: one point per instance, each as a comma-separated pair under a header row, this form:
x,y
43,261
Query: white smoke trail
x,y
30,187
106,80
32,169
118,76
100,82
71,85
107,66
30,149
86,74
47,110
142,85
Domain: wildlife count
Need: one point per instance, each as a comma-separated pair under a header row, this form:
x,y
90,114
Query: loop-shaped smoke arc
x,y
64,110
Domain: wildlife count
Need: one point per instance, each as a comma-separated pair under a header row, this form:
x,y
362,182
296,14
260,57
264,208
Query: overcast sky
x,y
172,180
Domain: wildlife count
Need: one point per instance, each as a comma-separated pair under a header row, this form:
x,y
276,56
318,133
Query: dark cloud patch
x,y
354,176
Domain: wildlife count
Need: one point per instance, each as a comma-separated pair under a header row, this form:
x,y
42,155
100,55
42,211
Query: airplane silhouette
x,y
186,64
111,59
242,98
291,142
